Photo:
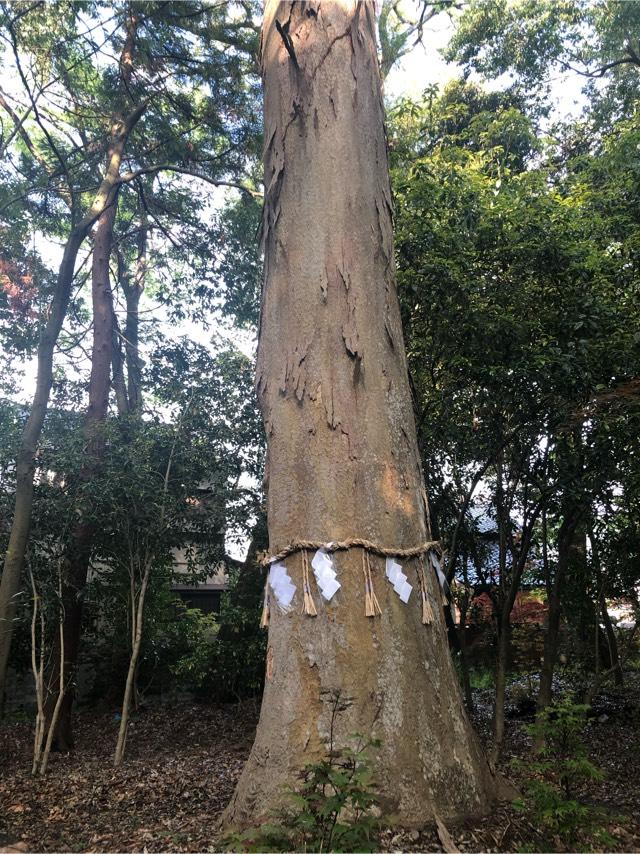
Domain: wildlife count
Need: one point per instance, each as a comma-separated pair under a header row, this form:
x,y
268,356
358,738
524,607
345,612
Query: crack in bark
x,y
330,46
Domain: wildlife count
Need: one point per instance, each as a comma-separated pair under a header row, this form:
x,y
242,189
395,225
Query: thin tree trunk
x,y
509,587
554,610
42,747
462,633
601,608
137,604
37,668
612,643
580,616
76,563
342,452
44,759
503,615
133,293
117,376
597,643
25,466
464,659
502,660
138,610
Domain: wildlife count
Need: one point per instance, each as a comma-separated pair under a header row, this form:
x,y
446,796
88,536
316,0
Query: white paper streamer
x,y
325,572
398,579
441,576
282,586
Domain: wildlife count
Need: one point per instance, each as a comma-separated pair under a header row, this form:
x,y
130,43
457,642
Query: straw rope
x,y
343,545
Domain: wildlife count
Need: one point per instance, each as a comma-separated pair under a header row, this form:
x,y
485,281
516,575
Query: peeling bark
x,y
342,449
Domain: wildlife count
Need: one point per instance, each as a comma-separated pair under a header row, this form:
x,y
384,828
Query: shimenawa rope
x,y
343,545
372,606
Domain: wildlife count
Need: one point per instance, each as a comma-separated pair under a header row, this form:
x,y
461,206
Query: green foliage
x,y
561,770
334,806
192,642
235,667
535,40
332,809
482,678
518,281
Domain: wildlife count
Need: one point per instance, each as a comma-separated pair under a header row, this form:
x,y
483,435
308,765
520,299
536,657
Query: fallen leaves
x,y
180,771
182,765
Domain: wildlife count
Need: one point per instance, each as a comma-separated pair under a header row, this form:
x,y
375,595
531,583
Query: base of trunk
x,y
397,678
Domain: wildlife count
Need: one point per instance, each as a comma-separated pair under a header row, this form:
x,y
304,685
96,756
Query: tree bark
x,y
118,382
464,602
502,661
133,291
581,610
342,451
601,608
130,689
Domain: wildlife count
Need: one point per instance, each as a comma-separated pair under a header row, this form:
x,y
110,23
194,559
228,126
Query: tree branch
x,y
127,177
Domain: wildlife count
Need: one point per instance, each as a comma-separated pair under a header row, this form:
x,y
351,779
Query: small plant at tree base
x,y
561,767
333,808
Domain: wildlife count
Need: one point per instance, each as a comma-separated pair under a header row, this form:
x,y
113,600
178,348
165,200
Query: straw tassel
x,y
309,605
264,620
427,611
371,605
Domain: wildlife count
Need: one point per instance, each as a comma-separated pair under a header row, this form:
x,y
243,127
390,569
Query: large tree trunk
x,y
342,452
76,564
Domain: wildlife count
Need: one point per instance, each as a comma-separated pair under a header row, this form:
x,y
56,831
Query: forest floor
x,y
183,761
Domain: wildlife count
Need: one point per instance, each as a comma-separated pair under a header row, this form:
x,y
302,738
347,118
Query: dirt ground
x,y
183,761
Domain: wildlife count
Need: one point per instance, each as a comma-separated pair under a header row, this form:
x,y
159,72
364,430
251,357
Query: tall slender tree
x,y
342,459
78,552
76,137
14,559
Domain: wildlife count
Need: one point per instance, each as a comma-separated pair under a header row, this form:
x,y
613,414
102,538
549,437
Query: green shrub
x,y
482,678
199,630
560,768
237,661
333,808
